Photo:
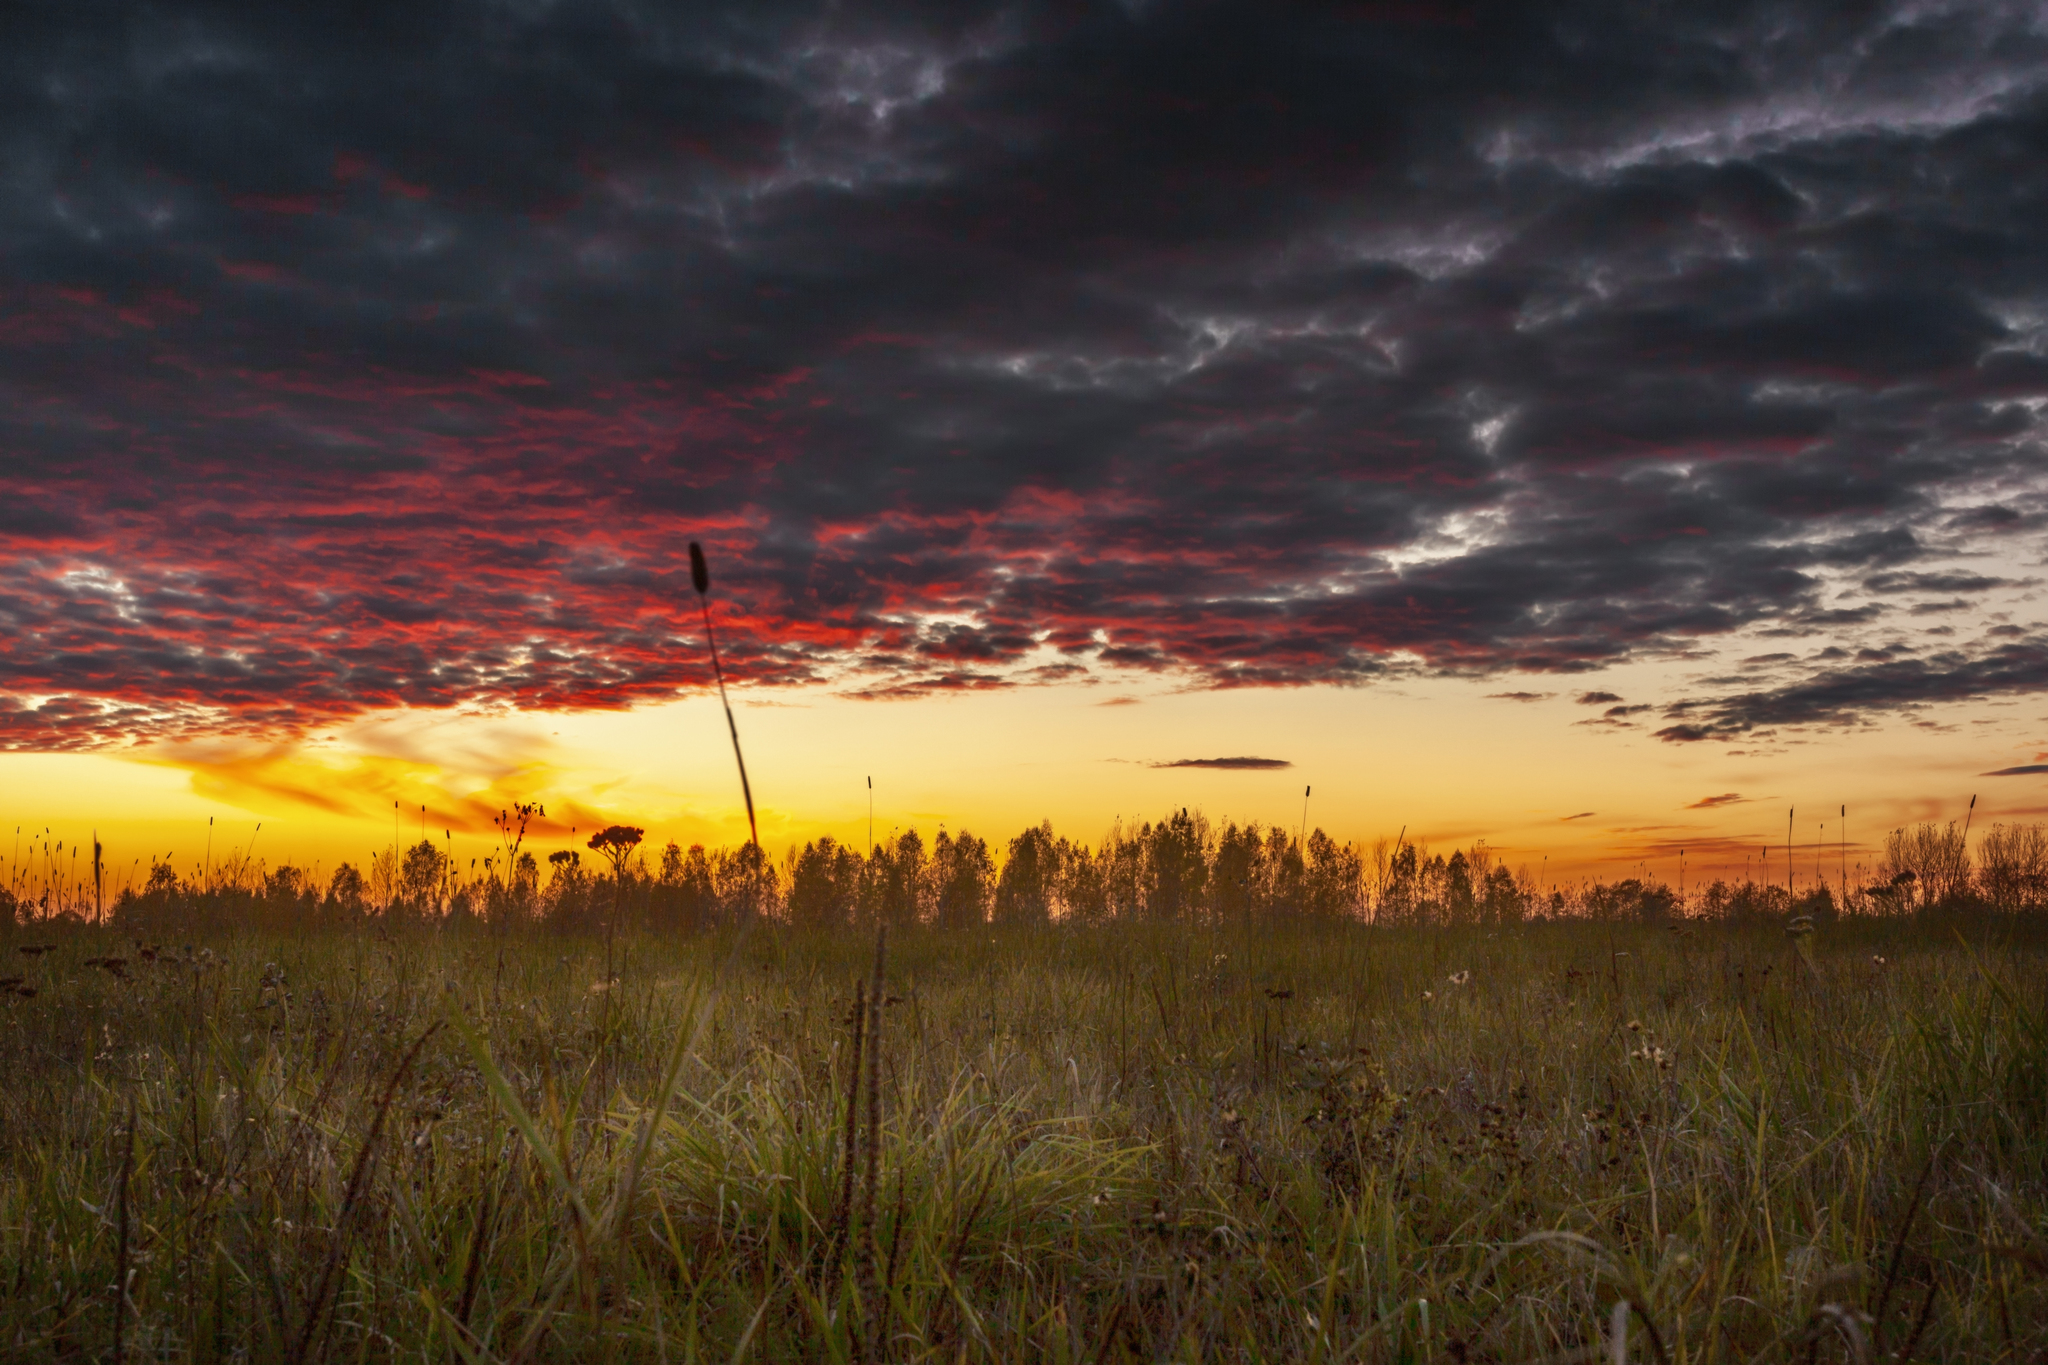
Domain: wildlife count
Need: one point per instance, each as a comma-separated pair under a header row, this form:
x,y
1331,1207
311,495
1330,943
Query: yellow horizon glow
x,y
1440,759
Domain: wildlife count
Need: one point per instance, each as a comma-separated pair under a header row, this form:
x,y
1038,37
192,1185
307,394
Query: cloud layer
x,y
395,361
1244,764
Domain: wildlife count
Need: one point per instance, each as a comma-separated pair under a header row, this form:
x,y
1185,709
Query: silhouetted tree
x,y
1500,897
894,885
1176,867
688,898
1083,893
420,875
2012,871
1333,879
745,884
1401,899
1030,879
963,879
1236,874
346,893
1631,898
1458,902
1937,858
824,885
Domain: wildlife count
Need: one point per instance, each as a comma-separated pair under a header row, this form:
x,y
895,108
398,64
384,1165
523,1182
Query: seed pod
x,y
699,574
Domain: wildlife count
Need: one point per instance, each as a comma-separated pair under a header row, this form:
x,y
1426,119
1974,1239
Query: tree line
x,y
1180,870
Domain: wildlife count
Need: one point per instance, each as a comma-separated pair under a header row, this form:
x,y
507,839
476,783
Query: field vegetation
x,y
1186,1094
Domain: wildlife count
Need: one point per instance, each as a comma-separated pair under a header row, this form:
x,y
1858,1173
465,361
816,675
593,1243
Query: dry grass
x,y
1077,1145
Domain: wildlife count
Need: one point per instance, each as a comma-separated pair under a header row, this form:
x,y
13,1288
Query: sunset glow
x,y
1597,466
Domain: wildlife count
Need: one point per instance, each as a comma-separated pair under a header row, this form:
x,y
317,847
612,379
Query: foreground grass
x,y
1110,1144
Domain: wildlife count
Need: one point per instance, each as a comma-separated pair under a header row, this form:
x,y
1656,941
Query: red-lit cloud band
x,y
396,364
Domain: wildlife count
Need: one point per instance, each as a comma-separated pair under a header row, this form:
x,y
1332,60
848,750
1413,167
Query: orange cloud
x,y
372,785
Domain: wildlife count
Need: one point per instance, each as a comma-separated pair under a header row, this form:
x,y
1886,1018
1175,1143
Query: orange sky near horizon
x,y
1450,762
1595,441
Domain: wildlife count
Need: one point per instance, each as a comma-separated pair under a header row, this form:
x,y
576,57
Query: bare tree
x,y
2012,866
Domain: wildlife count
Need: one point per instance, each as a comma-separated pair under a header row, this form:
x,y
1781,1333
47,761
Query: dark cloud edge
x,y
1235,764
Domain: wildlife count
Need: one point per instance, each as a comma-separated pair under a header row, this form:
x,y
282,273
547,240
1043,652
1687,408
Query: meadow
x,y
1659,1135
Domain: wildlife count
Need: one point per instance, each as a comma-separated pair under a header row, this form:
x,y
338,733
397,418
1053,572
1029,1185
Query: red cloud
x,y
972,374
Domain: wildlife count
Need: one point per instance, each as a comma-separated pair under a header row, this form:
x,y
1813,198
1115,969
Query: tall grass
x,y
1120,1142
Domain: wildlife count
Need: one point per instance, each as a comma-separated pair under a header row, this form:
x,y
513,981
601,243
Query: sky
x,y
1594,429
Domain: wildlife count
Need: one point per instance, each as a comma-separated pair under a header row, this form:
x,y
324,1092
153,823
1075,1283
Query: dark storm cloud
x,y
1933,582
1883,681
391,361
1253,764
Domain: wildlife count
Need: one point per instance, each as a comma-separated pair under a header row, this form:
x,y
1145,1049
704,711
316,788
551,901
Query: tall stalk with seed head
x,y
700,577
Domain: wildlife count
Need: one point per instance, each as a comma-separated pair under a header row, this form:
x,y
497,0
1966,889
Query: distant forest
x,y
1177,870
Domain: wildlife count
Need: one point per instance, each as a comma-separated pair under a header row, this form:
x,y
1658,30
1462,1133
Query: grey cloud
x,y
1243,764
1933,582
1888,681
975,330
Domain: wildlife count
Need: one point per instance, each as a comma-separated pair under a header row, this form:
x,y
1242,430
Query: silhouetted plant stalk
x,y
616,843
700,576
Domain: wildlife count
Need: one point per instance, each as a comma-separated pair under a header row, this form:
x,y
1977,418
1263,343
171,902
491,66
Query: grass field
x,y
1547,1141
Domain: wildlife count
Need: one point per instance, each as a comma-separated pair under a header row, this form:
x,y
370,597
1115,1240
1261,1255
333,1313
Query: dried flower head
x,y
1460,978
